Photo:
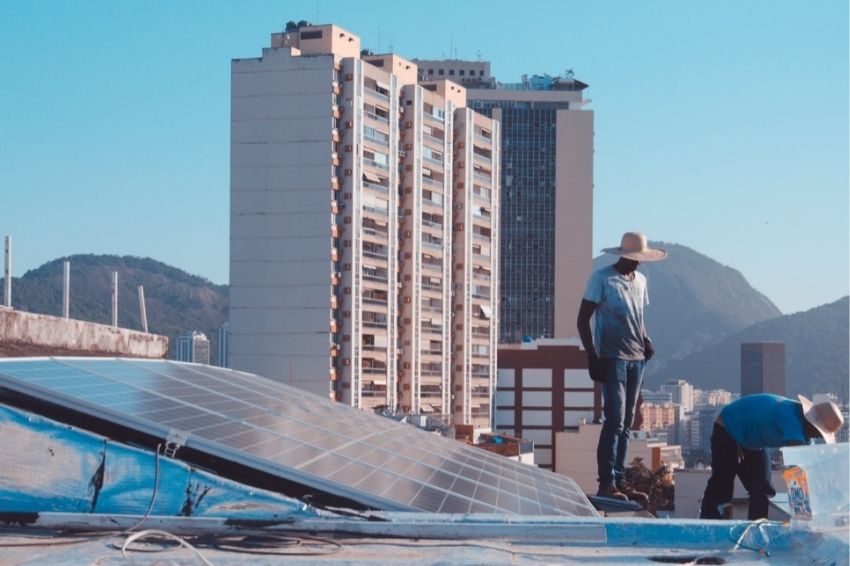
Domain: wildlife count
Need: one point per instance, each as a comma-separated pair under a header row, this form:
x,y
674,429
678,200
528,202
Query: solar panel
x,y
302,438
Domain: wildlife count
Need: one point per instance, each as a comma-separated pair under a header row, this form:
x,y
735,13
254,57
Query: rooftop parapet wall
x,y
30,334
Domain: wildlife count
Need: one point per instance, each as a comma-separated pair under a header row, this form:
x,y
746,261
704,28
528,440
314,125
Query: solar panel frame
x,y
300,437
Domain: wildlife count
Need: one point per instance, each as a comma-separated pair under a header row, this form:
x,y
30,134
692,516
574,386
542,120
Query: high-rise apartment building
x,y
681,393
547,193
363,211
193,347
763,368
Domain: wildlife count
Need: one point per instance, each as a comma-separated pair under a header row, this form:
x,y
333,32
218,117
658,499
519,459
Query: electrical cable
x,y
760,524
162,534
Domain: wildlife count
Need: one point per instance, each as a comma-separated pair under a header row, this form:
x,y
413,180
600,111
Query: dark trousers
x,y
728,460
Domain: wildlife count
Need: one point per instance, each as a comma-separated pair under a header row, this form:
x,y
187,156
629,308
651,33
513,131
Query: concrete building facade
x,y
350,248
543,389
547,193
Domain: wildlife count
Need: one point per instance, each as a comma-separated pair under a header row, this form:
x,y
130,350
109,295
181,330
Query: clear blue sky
x,y
720,124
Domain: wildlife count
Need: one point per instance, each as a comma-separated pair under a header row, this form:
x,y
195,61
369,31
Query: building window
x,y
481,73
461,72
442,72
430,71
451,72
311,34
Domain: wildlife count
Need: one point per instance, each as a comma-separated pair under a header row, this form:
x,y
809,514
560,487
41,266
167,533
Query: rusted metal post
x,y
7,295
66,289
142,309
115,299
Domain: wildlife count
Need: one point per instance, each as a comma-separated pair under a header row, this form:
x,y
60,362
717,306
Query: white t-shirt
x,y
619,317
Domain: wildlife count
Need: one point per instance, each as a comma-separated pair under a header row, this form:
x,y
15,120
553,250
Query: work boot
x,y
608,490
634,495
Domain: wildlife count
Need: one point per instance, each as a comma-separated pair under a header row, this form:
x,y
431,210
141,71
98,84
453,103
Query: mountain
x,y
175,301
817,345
694,302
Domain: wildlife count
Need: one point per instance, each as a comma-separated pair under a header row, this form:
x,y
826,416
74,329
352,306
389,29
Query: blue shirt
x,y
764,420
619,315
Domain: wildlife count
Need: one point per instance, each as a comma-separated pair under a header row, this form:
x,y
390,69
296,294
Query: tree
x,y
657,485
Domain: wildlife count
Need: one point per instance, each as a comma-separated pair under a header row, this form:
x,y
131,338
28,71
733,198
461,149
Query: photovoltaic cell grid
x,y
302,437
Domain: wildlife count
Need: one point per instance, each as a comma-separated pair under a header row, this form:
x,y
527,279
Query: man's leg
x,y
754,471
614,400
634,379
724,466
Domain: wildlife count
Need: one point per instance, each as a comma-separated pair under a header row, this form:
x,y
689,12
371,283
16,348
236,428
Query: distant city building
x,y
223,345
712,397
657,397
546,193
762,368
543,388
681,393
697,428
364,229
193,347
576,454
658,417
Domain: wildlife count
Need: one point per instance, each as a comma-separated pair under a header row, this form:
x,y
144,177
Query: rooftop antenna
x,y
478,53
451,45
390,47
379,39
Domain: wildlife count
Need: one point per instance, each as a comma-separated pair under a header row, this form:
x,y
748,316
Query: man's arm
x,y
585,311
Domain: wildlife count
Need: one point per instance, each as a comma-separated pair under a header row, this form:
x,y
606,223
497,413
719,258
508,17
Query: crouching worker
x,y
744,429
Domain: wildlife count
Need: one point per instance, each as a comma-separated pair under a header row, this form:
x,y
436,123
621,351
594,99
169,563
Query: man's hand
x,y
648,349
595,368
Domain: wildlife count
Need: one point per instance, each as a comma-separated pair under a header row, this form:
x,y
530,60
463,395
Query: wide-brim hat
x,y
826,417
633,246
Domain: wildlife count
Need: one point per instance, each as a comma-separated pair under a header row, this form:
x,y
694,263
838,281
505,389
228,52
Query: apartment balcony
x,y
434,118
433,267
483,140
436,162
438,143
381,167
432,205
376,213
482,177
432,245
383,120
433,289
426,326
482,158
376,186
433,182
380,96
374,234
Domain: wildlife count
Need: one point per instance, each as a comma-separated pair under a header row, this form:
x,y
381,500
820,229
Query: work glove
x,y
595,368
648,349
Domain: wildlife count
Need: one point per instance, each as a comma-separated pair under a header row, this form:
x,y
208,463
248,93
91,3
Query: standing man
x,y
617,296
743,429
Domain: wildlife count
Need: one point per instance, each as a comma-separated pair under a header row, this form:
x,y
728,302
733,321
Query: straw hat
x,y
634,246
826,417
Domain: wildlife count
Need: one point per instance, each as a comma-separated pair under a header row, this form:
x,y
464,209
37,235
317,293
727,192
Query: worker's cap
x,y
825,416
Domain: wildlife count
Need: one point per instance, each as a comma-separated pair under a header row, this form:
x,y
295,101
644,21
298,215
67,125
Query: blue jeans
x,y
620,390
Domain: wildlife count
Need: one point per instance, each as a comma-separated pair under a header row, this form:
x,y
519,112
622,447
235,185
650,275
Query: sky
x,y
721,125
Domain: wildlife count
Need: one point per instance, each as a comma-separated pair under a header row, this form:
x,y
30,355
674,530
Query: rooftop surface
x,y
416,539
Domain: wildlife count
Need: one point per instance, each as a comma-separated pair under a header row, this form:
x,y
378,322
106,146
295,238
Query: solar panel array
x,y
302,437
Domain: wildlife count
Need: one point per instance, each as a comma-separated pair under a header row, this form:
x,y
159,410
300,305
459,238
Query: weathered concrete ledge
x,y
30,334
